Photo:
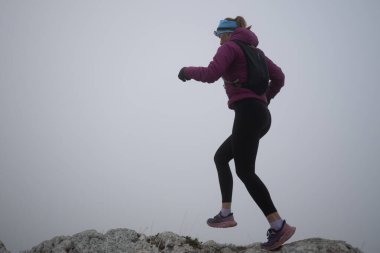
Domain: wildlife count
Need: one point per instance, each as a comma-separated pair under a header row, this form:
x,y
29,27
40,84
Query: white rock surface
x,y
129,241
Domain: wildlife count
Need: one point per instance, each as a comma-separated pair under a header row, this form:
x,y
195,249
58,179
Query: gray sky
x,y
97,132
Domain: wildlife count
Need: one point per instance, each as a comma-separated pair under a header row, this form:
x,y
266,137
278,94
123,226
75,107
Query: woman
x,y
252,121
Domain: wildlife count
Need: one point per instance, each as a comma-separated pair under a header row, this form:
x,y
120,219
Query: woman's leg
x,y
252,121
222,157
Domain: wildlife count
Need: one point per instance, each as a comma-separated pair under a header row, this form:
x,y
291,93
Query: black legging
x,y
252,121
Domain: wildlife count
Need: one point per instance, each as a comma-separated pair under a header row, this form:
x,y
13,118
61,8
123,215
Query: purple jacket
x,y
229,63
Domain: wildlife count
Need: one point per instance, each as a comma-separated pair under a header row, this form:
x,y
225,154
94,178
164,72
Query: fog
x,y
97,132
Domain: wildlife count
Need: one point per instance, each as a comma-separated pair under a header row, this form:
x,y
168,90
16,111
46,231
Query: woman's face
x,y
224,37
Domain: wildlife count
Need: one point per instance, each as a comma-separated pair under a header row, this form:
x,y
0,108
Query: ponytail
x,y
240,21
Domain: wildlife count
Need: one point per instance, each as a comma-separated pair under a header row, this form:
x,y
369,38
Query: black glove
x,y
268,100
182,75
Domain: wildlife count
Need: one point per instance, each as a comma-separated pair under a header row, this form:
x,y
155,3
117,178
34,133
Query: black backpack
x,y
257,69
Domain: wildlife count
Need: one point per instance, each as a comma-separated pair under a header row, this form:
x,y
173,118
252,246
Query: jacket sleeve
x,y
217,67
277,79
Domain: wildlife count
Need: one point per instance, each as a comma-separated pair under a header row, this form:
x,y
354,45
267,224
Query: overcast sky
x,y
97,132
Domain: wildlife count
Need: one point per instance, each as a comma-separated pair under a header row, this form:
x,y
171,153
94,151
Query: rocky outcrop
x,y
125,240
2,248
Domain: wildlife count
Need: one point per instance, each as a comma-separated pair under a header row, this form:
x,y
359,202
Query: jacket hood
x,y
245,35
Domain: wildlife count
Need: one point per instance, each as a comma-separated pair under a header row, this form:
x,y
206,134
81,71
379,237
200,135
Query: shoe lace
x,y
218,216
270,234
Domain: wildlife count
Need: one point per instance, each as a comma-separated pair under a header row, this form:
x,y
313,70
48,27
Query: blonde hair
x,y
240,20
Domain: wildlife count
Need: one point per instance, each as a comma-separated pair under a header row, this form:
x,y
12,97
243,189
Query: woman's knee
x,y
244,173
242,176
220,159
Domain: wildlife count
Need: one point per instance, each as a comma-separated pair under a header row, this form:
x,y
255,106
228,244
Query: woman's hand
x,y
182,75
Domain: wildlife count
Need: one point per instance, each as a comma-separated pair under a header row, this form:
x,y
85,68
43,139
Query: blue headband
x,y
226,26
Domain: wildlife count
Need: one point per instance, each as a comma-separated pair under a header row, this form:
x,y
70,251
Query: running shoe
x,y
220,221
276,238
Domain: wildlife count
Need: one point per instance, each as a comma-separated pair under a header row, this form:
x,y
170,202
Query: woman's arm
x,y
220,63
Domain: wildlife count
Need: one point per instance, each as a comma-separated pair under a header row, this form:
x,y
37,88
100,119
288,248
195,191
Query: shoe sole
x,y
226,224
286,236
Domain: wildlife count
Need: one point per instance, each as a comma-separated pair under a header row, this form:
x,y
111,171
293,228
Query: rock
x,y
2,248
126,240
